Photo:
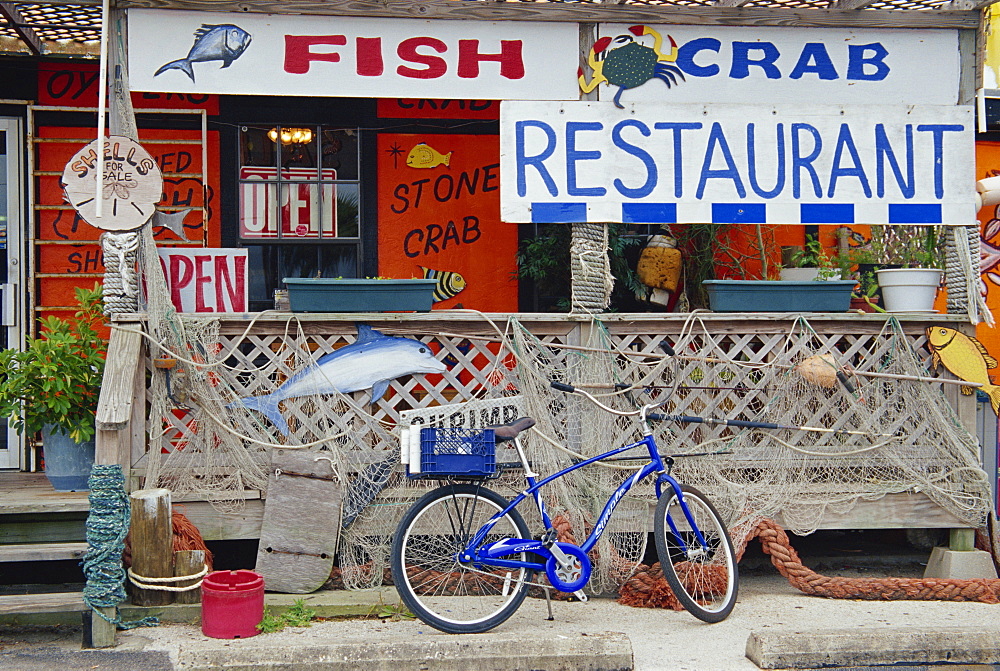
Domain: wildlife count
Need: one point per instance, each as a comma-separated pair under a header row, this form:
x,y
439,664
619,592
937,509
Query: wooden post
x,y
188,562
962,540
152,544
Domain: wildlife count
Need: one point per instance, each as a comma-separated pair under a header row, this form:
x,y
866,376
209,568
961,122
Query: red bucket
x,y
232,604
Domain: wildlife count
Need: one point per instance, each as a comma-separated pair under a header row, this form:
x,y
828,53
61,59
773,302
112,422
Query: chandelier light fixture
x,y
291,135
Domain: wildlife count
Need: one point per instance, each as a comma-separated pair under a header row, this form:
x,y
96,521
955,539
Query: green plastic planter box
x,y
322,294
779,295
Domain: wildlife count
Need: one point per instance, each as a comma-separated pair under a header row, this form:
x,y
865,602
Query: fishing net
x,y
843,443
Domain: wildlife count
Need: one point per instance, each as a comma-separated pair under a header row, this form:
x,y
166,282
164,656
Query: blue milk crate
x,y
457,453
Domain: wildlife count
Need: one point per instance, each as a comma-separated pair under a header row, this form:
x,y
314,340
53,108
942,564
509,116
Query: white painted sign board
x,y
271,54
205,280
785,65
789,164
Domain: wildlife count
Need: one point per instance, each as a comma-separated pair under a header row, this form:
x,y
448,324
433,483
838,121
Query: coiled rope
x,y
648,588
107,526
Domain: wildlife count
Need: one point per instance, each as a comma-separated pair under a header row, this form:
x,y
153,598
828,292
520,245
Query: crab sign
x,y
627,61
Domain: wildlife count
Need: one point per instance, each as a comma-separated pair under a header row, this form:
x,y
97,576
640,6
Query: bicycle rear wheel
x,y
704,579
455,597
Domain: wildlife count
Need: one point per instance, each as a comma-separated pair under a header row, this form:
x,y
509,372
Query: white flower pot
x,y
909,289
799,274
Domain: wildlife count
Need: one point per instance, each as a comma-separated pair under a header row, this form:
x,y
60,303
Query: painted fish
x,y
449,284
370,362
224,42
965,357
424,156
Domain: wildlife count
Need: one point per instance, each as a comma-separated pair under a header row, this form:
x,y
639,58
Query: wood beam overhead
x,y
850,4
23,29
582,13
960,5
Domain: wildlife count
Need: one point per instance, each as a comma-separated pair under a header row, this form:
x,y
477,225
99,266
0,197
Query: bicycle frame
x,y
494,553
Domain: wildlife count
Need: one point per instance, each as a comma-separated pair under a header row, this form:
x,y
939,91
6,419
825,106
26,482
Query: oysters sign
x,y
784,164
265,54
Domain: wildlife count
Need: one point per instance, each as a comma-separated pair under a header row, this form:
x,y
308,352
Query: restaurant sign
x,y
273,54
787,164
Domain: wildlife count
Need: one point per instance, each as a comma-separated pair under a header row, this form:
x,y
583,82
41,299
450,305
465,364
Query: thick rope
x,y
107,526
648,588
590,268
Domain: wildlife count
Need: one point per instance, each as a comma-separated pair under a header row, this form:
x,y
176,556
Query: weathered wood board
x,y
301,526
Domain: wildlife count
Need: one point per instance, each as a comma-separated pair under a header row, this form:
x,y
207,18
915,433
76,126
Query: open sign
x,y
206,280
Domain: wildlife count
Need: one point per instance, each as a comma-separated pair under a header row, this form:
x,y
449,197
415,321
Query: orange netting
x,y
186,537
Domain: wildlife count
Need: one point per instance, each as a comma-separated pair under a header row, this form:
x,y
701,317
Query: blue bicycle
x,y
463,558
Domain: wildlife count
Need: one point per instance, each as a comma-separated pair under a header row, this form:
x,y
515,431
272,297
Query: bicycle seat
x,y
510,430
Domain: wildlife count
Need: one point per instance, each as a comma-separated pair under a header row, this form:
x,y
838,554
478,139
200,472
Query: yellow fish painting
x,y
424,156
965,357
449,283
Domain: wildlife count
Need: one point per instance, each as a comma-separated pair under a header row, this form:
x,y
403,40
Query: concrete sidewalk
x,y
778,625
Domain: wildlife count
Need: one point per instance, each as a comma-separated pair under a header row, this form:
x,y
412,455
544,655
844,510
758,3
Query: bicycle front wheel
x,y
456,597
704,579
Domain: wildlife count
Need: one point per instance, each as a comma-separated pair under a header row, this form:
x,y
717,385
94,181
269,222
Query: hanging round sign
x,y
130,190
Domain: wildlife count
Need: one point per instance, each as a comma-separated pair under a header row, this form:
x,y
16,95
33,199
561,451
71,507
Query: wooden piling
x,y
188,562
152,544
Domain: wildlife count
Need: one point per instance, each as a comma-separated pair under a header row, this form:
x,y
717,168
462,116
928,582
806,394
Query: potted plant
x,y
912,285
811,262
52,385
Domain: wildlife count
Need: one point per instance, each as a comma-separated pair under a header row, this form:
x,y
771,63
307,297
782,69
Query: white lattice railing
x,y
470,344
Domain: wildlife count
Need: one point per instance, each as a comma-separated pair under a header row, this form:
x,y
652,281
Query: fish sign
x,y
965,357
578,162
370,362
349,56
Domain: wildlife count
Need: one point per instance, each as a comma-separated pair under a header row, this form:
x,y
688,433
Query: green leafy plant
x,y
389,611
296,615
56,379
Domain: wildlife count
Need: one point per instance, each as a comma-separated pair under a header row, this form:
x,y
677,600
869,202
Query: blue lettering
x,y
800,162
742,61
939,130
846,141
752,162
536,161
573,155
641,154
687,52
716,138
857,60
814,59
677,127
883,151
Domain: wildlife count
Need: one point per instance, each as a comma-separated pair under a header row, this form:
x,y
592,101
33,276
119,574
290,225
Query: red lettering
x,y
236,290
298,55
511,63
200,280
370,57
407,51
181,271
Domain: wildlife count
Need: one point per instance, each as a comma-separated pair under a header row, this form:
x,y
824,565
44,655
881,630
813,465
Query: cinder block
x,y
964,565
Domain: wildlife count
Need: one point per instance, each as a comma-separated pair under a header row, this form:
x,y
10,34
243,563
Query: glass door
x,y
11,264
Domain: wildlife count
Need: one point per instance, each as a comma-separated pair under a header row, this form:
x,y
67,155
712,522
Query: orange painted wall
x,y
446,217
988,165
68,244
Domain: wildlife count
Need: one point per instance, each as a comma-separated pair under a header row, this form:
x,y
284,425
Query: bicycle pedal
x,y
580,595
